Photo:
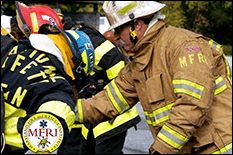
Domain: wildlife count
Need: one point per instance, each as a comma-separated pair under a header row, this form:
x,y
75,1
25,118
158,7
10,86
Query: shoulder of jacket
x,y
176,36
176,32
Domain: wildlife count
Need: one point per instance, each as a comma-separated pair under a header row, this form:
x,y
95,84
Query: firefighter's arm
x,y
194,86
116,98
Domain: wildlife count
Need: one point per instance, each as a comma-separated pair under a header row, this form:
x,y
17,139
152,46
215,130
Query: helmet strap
x,y
133,34
79,64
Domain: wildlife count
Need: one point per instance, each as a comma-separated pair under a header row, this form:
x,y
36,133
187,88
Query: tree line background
x,y
213,19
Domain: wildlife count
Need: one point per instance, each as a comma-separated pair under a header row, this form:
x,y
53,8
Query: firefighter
x,y
181,78
107,137
37,74
110,36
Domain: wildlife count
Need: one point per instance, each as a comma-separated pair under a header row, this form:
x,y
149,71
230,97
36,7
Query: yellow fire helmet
x,y
121,12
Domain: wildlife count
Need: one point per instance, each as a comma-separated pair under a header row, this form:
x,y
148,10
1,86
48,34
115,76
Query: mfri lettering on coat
x,y
189,59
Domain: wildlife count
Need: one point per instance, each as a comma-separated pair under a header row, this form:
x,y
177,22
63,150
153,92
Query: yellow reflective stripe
x,y
159,115
119,120
127,7
12,114
84,58
114,70
211,41
215,45
79,111
115,104
12,137
220,86
4,31
227,149
60,109
11,111
172,137
74,34
34,22
96,67
84,130
101,50
188,87
116,97
125,103
77,126
150,118
218,48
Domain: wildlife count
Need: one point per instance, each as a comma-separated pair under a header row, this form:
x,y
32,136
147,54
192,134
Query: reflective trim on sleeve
x,y
79,111
159,115
188,87
227,149
121,119
116,97
12,137
60,109
220,86
114,70
12,114
217,46
84,130
101,50
172,137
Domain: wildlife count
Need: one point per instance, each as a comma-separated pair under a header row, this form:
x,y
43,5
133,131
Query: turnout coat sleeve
x,y
116,98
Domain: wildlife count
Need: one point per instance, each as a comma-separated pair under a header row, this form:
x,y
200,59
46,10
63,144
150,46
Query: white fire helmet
x,y
121,12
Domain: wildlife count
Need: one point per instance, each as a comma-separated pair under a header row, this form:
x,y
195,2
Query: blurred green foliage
x,y
210,18
213,19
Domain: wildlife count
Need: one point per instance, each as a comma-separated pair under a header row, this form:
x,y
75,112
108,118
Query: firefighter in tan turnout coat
x,y
181,78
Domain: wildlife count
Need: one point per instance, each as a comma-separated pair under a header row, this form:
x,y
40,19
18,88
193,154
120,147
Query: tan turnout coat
x,y
183,82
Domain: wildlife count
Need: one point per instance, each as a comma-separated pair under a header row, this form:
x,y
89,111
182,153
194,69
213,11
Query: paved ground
x,y
138,142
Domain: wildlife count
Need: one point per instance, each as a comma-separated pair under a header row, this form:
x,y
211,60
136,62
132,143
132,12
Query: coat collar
x,y
144,48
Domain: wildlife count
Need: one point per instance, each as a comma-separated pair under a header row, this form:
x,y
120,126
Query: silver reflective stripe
x,y
229,151
214,45
115,96
159,115
162,114
220,84
172,137
193,89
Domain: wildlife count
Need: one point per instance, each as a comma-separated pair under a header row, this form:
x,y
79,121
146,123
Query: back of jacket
x,y
33,82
